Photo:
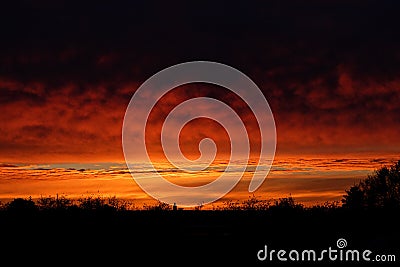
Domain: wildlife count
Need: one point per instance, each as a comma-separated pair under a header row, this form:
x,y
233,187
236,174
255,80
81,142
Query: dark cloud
x,y
329,69
5,165
92,42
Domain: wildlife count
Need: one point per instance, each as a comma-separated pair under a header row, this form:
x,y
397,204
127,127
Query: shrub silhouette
x,y
381,189
230,205
91,203
327,205
50,203
120,204
21,205
158,206
253,203
287,203
256,204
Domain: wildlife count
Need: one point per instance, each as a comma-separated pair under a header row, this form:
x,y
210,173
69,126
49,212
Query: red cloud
x,y
332,113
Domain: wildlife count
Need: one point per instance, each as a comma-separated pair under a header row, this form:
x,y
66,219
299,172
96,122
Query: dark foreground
x,y
186,237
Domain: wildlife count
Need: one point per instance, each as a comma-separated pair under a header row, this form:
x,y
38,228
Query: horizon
x,y
310,181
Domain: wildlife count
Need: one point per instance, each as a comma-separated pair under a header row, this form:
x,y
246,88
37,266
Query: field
x,y
78,235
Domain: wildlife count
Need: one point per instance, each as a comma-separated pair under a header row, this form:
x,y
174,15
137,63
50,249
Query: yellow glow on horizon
x,y
308,180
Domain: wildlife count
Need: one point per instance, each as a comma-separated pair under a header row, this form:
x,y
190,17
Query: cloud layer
x,y
330,71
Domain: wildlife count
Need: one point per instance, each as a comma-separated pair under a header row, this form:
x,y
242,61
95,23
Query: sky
x,y
328,69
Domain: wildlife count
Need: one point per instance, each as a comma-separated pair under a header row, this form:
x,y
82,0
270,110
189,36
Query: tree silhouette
x,y
381,189
21,205
51,203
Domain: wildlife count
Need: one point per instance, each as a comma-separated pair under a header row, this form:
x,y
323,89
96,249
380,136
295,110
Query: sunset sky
x,y
328,69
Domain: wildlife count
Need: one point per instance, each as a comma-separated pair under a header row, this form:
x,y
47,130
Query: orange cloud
x,y
84,122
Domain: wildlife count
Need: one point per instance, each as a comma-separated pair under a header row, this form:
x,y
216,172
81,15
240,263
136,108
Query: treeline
x,y
101,203
50,203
